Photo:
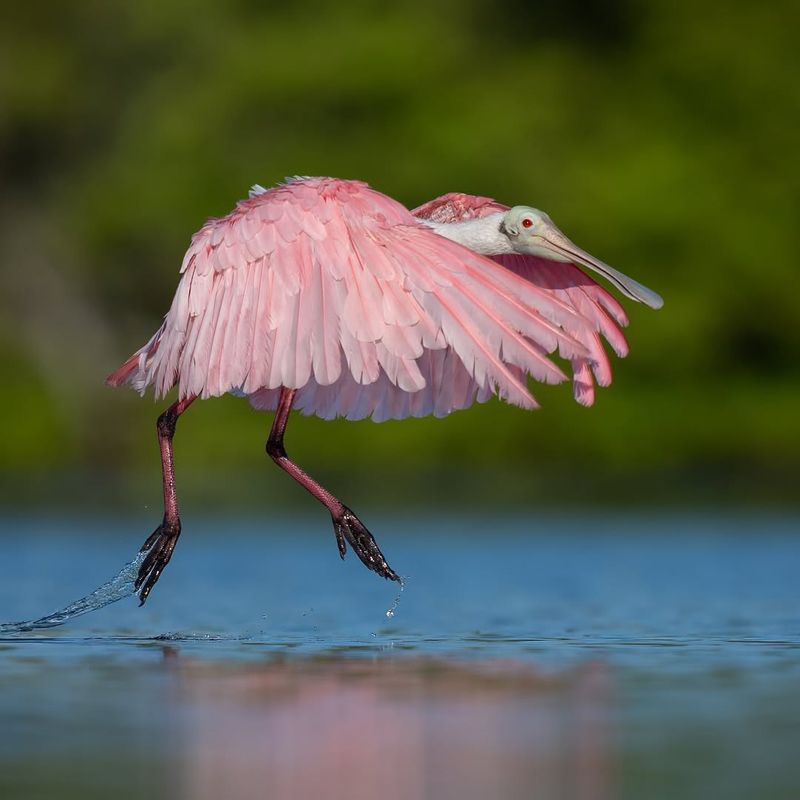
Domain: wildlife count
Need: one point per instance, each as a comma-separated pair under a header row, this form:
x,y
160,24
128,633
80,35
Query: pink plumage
x,y
329,297
599,312
331,288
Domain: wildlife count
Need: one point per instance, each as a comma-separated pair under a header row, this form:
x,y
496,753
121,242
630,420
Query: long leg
x,y
162,541
346,525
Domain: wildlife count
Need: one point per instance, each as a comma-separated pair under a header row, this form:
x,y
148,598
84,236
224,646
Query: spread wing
x,y
336,290
599,312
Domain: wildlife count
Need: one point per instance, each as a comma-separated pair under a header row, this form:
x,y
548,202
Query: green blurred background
x,y
660,136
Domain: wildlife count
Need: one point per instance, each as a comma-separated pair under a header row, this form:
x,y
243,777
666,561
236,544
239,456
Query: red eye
x,y
527,222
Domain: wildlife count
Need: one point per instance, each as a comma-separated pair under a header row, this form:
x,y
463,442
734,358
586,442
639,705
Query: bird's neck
x,y
479,235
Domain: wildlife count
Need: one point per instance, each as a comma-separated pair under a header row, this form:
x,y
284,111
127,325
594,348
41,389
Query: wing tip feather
x,y
124,374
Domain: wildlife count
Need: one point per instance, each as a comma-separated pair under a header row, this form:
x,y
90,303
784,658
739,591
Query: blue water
x,y
547,656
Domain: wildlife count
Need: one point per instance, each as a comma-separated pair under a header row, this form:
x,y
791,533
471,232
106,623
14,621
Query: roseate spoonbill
x,y
327,296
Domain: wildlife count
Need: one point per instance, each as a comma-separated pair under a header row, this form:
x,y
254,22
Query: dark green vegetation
x,y
659,136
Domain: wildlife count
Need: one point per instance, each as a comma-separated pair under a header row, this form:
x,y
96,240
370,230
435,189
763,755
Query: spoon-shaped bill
x,y
552,239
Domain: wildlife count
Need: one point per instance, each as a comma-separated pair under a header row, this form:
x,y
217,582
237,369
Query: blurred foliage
x,y
660,136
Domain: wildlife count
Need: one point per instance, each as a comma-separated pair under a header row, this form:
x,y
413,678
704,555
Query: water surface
x,y
528,657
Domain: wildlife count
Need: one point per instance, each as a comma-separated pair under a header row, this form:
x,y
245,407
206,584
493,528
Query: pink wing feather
x,y
600,313
331,288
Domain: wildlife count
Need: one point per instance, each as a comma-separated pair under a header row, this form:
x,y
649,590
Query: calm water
x,y
547,657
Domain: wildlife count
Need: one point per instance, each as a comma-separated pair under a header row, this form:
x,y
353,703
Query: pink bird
x,y
327,296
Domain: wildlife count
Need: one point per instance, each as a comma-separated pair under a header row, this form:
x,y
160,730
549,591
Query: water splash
x,y
118,588
178,636
391,610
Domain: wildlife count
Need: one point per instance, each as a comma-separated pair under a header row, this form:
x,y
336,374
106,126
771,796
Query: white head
x,y
532,232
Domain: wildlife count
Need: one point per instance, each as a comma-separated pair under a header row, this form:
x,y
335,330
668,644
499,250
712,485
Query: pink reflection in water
x,y
393,728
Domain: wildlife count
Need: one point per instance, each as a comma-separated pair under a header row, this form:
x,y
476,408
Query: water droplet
x,y
390,611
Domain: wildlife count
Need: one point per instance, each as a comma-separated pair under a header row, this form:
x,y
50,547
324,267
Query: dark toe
x,y
349,527
160,546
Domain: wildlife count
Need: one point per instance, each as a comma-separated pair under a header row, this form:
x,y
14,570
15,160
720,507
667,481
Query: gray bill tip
x,y
645,295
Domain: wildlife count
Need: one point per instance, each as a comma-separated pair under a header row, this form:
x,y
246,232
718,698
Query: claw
x,y
348,527
159,545
340,542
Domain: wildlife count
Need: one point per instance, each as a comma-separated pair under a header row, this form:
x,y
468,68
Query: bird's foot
x,y
159,547
351,530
